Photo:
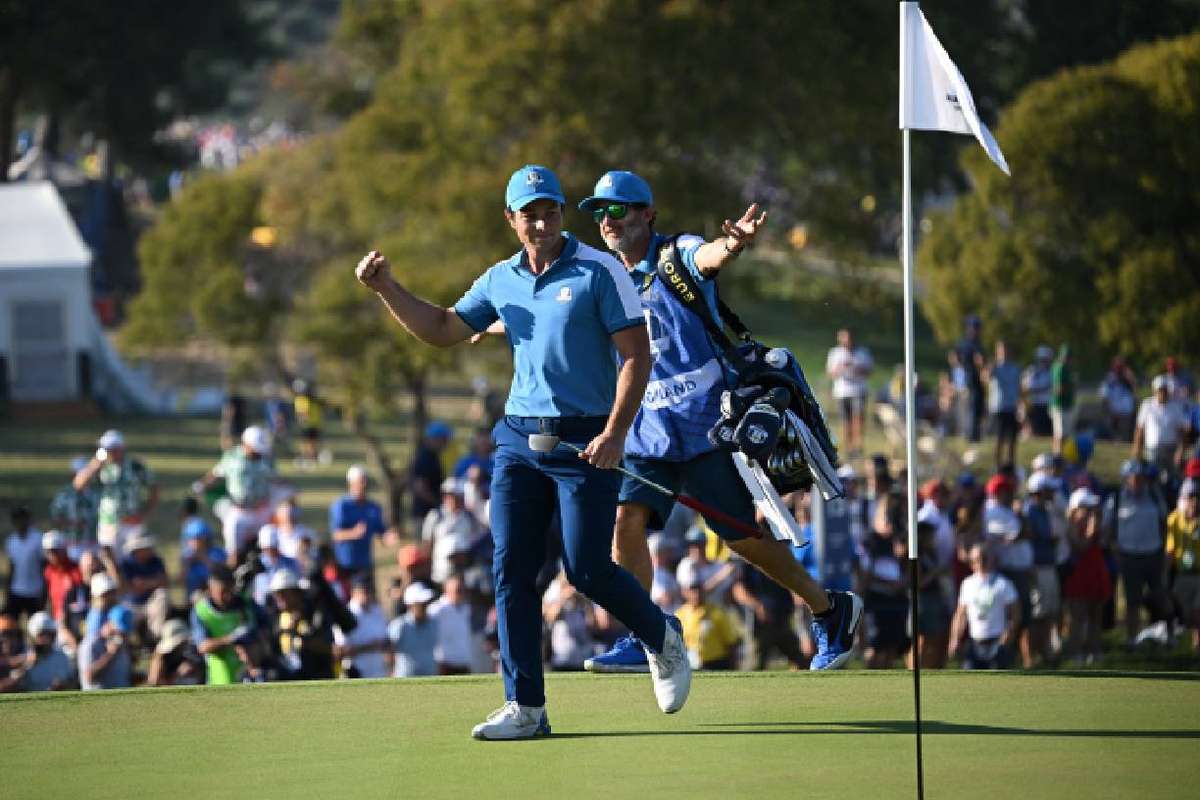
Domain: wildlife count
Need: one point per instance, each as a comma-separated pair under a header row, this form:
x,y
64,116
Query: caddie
x,y
565,307
668,441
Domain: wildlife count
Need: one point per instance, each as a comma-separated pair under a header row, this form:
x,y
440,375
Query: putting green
x,y
758,735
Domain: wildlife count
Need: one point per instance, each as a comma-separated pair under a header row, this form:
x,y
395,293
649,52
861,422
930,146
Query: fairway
x,y
761,735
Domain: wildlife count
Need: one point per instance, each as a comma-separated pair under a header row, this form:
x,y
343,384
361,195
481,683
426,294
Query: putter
x,y
545,442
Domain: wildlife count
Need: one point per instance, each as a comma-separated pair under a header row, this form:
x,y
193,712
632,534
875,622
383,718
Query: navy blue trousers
x,y
527,487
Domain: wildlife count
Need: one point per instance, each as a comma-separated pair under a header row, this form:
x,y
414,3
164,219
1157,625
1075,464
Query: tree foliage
x,y
1093,238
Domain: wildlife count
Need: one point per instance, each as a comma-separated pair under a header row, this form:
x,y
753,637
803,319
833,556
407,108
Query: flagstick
x,y
910,447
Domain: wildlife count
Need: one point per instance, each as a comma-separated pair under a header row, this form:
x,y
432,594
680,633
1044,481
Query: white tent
x,y
46,319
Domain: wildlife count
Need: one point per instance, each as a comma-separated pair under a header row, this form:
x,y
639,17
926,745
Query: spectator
x,y
74,512
935,510
849,367
1119,393
1004,393
664,588
454,652
47,667
570,618
64,587
709,632
224,629
303,629
145,578
13,655
884,587
426,473
415,567
365,651
414,635
26,585
175,662
450,529
1183,552
934,609
198,555
1010,542
717,577
275,415
1161,428
104,658
233,419
1045,597
481,455
1038,384
355,521
853,506
968,356
128,492
1088,585
296,540
1062,397
988,615
1135,519
1180,382
774,610
270,561
309,416
248,474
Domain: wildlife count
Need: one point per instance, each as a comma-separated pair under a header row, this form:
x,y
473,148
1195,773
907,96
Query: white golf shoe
x,y
670,669
513,721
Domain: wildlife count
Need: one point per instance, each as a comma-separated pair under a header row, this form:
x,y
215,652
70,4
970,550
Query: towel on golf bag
x,y
774,419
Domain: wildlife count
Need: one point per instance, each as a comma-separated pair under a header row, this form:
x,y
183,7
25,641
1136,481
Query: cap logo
x,y
606,182
533,178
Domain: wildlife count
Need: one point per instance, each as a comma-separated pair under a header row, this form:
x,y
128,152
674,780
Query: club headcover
x,y
758,432
721,434
735,402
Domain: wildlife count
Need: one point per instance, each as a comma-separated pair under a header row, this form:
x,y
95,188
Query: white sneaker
x,y
513,721
670,669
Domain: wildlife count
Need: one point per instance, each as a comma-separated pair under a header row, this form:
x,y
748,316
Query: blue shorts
x,y
711,478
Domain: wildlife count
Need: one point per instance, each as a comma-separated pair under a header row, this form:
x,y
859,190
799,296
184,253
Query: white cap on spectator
x,y
284,579
174,633
1160,382
357,472
139,541
111,439
257,439
53,540
268,537
1039,482
1043,461
40,623
102,584
454,486
1083,497
688,576
417,593
847,472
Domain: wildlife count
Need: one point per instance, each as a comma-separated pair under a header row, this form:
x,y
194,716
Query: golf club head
x,y
542,442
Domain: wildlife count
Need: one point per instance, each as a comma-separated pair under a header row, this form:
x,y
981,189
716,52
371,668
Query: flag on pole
x,y
933,94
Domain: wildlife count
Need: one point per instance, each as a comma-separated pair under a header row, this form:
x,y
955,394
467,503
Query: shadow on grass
x,y
954,729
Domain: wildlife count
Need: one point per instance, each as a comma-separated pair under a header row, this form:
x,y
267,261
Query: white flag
x,y
933,94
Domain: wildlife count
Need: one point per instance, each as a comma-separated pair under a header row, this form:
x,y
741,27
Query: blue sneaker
x,y
627,655
834,634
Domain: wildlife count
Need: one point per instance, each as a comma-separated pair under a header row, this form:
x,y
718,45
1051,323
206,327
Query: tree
x,y
1092,239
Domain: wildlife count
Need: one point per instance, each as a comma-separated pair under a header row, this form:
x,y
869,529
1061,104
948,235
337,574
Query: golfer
x,y
668,441
565,307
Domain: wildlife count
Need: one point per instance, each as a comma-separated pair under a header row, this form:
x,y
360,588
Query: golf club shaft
x,y
704,509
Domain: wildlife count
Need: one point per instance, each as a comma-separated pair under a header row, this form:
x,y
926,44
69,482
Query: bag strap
x,y
678,278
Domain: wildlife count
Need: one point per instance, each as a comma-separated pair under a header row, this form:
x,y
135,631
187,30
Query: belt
x,y
558,426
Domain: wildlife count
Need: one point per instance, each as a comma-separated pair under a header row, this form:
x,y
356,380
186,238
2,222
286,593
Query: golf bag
x,y
772,416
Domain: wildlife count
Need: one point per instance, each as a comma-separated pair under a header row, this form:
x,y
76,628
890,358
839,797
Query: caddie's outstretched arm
x,y
739,235
432,324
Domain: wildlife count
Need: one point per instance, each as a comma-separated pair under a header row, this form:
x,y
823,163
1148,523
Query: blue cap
x,y
438,430
532,182
619,186
196,528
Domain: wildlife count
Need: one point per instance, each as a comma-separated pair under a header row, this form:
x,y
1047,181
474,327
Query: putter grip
x,y
717,514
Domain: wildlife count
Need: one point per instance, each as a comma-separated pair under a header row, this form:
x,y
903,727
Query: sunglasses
x,y
613,211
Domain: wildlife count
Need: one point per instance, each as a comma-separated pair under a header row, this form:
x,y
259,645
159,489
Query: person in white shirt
x,y
1161,426
296,541
454,651
1006,534
849,367
987,617
366,651
26,586
449,529
1037,383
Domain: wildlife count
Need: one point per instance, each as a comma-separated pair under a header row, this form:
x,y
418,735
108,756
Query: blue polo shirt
x,y
346,512
559,325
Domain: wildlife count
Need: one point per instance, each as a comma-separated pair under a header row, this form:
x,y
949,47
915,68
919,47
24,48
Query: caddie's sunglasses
x,y
613,211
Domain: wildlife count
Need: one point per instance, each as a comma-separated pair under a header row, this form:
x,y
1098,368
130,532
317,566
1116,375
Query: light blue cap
x,y
532,182
619,186
438,430
196,528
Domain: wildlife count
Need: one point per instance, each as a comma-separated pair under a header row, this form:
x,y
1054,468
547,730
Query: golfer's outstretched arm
x,y
432,324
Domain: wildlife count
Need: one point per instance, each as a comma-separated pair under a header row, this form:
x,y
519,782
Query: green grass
x,y
761,735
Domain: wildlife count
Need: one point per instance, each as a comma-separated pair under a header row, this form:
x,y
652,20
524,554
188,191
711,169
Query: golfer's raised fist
x,y
373,270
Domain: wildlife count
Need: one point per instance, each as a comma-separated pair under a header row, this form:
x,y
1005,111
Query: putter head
x,y
542,442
